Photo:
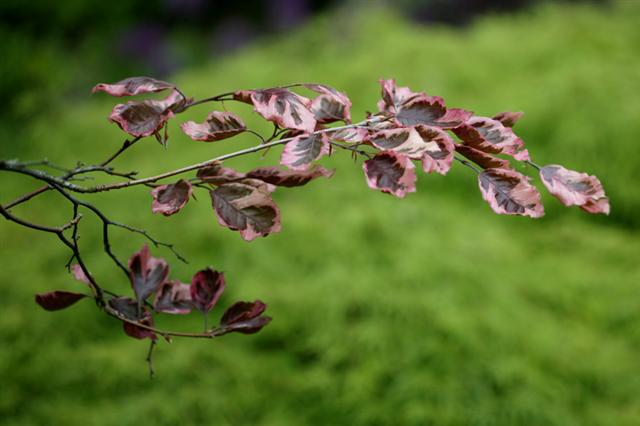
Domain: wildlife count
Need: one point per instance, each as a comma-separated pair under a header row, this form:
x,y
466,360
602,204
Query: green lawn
x,y
428,310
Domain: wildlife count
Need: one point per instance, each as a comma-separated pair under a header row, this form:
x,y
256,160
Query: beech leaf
x,y
299,153
509,192
507,118
391,172
169,199
244,317
206,287
132,86
331,105
140,118
281,106
146,273
216,174
431,111
218,126
129,309
57,300
490,136
430,144
288,178
575,189
148,117
78,274
353,135
394,97
247,208
482,159
173,297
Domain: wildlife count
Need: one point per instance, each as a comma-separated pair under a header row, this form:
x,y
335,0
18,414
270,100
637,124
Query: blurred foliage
x,y
428,310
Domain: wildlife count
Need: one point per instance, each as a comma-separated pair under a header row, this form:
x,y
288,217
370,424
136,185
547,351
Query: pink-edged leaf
x,y
489,135
132,86
440,150
353,135
244,317
216,174
482,159
78,274
140,118
391,173
509,192
331,105
218,126
394,97
288,178
174,102
146,273
57,300
522,155
129,309
597,206
432,145
246,207
281,106
148,117
170,199
507,118
206,287
575,189
173,297
430,111
299,153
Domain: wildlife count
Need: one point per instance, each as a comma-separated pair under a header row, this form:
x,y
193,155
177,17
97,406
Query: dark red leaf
x,y
575,189
391,172
173,297
129,309
288,178
508,119
216,174
509,192
169,199
57,300
147,273
206,287
132,86
281,106
246,207
218,126
244,317
138,332
484,160
299,153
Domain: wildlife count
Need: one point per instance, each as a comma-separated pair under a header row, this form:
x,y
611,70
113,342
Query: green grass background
x,y
425,311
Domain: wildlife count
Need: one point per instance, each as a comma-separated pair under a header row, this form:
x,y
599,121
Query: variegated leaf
x,y
509,192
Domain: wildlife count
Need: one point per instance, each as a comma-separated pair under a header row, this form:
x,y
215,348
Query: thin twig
x,y
126,145
149,358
